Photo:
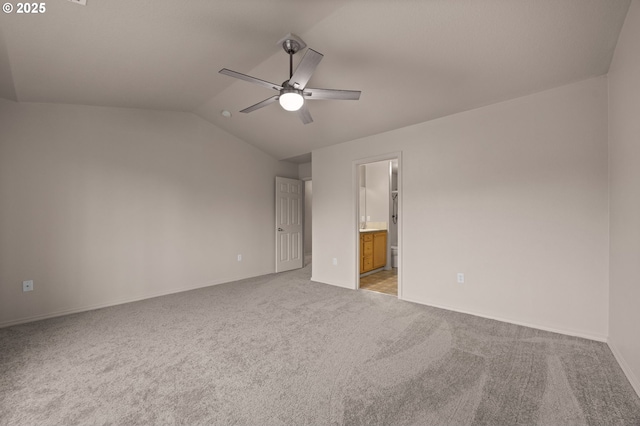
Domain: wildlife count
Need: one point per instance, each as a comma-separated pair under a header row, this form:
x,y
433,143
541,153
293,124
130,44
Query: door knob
x,y
280,229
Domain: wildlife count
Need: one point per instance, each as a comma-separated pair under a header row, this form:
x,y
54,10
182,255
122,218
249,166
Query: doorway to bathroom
x,y
378,225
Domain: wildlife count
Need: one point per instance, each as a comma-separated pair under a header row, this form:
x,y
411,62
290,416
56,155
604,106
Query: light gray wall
x,y
304,171
105,205
7,88
514,195
624,163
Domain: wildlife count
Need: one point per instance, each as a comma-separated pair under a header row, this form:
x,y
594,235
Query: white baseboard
x,y
348,286
70,311
568,332
635,383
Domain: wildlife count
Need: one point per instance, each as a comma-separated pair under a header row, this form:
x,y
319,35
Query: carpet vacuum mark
x,y
280,349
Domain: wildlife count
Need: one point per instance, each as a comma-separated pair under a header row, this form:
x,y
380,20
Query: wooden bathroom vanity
x,y
373,250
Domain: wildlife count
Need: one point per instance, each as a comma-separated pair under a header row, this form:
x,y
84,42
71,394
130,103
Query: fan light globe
x,y
291,101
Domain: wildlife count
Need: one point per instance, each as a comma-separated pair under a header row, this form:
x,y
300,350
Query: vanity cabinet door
x,y
373,251
379,249
366,252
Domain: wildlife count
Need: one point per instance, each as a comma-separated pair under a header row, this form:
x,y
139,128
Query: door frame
x,y
355,177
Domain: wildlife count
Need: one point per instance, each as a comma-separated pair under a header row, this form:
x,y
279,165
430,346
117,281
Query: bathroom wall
x,y
393,227
377,194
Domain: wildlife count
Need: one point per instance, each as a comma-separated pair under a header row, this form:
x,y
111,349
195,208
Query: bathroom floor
x,y
381,282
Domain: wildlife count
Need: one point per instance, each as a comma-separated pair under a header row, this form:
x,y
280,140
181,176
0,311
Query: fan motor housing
x,y
286,88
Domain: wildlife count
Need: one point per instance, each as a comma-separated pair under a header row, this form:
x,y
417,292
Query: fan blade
x,y
261,104
305,115
345,95
306,67
250,79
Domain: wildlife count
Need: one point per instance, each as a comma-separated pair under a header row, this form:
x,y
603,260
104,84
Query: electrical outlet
x,y
335,261
27,285
460,277
82,2
239,258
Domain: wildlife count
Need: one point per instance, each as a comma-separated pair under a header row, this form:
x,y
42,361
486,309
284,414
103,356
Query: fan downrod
x,y
292,44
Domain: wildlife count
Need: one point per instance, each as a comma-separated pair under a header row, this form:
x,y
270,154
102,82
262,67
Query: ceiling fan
x,y
293,92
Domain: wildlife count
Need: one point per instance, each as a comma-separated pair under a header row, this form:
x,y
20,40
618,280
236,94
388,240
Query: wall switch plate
x,y
460,277
27,285
335,261
239,258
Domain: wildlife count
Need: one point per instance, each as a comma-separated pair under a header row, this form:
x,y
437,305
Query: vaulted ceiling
x,y
413,60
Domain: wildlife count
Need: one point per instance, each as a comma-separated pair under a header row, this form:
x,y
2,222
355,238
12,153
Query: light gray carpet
x,y
280,349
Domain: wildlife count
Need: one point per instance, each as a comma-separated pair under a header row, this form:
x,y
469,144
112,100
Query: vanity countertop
x,y
372,230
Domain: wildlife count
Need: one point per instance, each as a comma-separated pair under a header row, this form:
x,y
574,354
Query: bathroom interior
x,y
378,226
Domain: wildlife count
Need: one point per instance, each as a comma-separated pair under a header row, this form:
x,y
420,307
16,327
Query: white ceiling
x,y
413,60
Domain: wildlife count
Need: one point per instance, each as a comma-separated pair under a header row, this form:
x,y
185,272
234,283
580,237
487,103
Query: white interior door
x,y
288,224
